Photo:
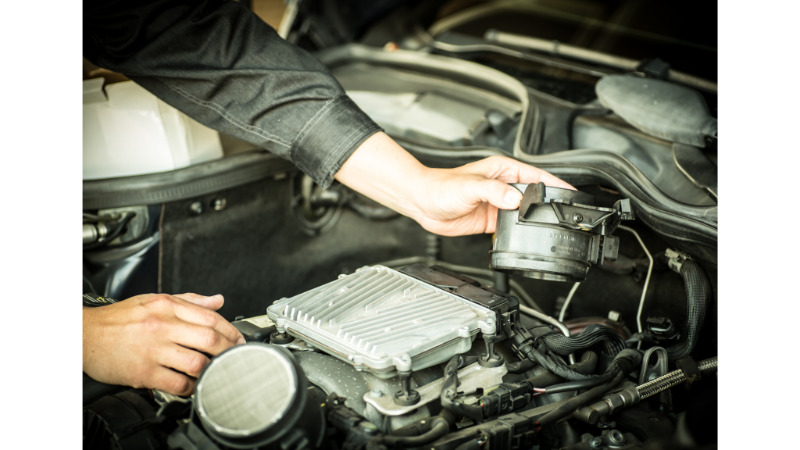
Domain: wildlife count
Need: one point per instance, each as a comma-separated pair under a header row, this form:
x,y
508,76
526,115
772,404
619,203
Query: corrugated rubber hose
x,y
697,293
590,336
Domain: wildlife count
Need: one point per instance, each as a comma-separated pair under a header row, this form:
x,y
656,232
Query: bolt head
x,y
196,208
375,393
616,437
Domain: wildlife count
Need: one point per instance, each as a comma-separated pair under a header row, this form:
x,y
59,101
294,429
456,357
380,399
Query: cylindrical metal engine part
x,y
540,251
256,395
556,234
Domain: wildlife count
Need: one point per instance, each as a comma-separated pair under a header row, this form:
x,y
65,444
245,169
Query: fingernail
x,y
512,198
240,341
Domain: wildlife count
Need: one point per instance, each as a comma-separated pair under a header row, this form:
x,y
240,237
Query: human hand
x,y
450,202
155,341
467,198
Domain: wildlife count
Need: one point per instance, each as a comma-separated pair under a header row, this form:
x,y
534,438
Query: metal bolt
x,y
219,204
596,442
376,393
616,437
196,208
577,217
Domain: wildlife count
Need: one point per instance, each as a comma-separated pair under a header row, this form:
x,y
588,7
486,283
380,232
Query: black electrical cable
x,y
625,362
572,386
449,392
528,349
546,340
590,336
579,400
565,371
586,365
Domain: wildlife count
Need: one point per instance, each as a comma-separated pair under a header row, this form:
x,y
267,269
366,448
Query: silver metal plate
x,y
383,321
245,390
470,378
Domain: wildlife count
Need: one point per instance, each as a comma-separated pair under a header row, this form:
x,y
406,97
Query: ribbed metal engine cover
x,y
383,321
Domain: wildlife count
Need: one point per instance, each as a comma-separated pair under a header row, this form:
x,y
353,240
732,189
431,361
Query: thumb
x,y
499,194
213,302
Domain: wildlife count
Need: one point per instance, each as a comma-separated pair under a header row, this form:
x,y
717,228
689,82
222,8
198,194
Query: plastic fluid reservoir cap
x,y
246,390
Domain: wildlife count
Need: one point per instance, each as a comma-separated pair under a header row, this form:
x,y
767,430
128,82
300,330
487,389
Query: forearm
x,y
155,341
223,66
385,172
458,201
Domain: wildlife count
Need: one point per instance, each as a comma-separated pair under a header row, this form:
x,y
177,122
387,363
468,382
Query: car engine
x,y
587,321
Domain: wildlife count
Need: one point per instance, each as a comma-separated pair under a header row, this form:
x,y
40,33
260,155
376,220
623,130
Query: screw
x,y
195,209
577,217
596,442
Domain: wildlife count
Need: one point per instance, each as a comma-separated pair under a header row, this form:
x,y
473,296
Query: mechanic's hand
x,y
155,341
465,200
449,202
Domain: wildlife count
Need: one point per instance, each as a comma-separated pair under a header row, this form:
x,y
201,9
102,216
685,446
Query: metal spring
x,y
673,378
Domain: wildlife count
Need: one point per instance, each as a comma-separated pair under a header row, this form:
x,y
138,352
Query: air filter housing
x,y
556,234
256,395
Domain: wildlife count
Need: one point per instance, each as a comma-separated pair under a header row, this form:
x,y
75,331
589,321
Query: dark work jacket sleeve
x,y
220,64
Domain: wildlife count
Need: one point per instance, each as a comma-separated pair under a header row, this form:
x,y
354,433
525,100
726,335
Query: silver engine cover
x,y
383,321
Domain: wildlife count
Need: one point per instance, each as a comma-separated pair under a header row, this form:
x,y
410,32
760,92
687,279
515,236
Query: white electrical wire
x,y
550,320
564,307
646,281
544,318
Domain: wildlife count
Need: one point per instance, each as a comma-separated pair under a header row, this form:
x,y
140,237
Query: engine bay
x,y
587,321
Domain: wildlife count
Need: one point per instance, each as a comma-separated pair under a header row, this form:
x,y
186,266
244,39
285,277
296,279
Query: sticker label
x,y
260,321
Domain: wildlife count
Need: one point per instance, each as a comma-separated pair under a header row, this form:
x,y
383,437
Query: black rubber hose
x,y
625,362
521,366
566,408
535,349
440,425
697,292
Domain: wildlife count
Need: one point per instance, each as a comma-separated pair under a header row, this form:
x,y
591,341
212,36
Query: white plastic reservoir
x,y
129,131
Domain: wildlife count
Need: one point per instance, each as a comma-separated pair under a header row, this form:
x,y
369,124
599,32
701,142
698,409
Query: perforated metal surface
x,y
245,390
381,320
